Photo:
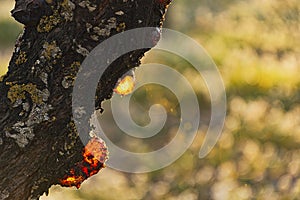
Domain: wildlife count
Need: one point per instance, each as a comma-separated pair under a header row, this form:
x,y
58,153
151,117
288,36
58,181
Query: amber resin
x,y
94,156
125,86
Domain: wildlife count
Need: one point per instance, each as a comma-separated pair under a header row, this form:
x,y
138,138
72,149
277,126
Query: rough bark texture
x,y
38,142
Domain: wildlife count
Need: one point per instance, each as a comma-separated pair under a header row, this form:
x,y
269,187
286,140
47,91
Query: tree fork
x,y
39,144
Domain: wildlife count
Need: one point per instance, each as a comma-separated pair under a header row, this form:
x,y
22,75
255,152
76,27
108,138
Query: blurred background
x,y
256,46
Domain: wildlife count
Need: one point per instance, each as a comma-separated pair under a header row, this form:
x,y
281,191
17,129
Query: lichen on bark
x,y
39,143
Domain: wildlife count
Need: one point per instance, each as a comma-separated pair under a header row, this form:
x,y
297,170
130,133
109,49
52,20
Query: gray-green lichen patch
x,y
95,37
68,81
44,77
38,114
121,27
51,51
63,12
111,23
23,136
86,4
18,92
47,23
26,108
88,27
34,106
21,58
119,13
67,10
23,131
81,50
74,67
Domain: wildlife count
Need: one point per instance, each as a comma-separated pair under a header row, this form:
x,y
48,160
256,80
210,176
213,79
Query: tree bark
x,y
39,144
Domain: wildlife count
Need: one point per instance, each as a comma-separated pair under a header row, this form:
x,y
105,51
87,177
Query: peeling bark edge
x,y
38,142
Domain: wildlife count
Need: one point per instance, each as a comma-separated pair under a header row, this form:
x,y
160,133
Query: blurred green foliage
x,y
8,33
256,45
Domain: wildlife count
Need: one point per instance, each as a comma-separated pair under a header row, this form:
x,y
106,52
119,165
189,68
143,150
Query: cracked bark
x,y
39,143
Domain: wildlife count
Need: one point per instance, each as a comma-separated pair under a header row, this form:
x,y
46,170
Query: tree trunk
x,y
39,143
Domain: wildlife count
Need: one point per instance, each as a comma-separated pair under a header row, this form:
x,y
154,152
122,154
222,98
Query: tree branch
x,y
39,144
